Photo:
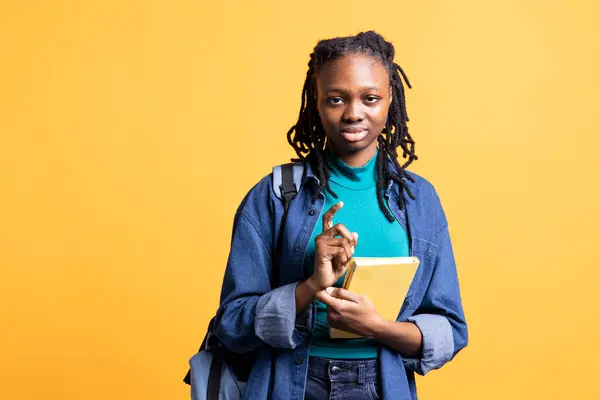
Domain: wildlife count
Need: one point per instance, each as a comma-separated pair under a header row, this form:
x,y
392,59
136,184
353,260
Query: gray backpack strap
x,y
297,171
286,183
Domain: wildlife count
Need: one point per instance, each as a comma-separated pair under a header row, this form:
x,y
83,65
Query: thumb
x,y
343,294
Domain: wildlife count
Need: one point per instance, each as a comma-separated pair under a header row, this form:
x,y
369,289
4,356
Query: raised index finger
x,y
328,216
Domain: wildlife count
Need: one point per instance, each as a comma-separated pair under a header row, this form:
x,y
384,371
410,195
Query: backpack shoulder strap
x,y
286,180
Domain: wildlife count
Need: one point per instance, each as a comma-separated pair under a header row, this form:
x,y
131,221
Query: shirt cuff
x,y
276,322
438,343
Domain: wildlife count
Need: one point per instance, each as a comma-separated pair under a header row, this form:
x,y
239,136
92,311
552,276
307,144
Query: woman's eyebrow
x,y
341,90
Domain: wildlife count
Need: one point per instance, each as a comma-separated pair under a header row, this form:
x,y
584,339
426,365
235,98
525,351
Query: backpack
x,y
215,372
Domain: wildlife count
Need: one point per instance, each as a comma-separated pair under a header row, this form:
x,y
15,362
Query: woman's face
x,y
353,99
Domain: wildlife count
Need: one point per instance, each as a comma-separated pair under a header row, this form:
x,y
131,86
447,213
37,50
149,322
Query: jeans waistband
x,y
360,371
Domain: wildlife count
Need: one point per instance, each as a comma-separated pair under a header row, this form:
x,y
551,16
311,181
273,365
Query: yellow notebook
x,y
385,280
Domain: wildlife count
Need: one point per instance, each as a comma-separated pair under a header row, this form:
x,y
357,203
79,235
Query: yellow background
x,y
130,130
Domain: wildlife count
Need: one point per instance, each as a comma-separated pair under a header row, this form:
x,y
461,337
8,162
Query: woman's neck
x,y
354,178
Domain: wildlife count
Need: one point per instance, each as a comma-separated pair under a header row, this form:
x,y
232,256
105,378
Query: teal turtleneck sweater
x,y
377,237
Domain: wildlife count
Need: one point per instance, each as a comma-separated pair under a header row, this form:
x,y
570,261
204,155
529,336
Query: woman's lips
x,y
354,135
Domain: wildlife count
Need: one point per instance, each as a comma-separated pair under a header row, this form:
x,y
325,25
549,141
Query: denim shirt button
x,y
312,212
335,369
299,360
297,248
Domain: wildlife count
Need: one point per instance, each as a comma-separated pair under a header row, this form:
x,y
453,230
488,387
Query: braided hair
x,y
308,138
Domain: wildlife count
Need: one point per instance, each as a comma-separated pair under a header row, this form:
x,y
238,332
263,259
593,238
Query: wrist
x,y
377,328
312,286
305,295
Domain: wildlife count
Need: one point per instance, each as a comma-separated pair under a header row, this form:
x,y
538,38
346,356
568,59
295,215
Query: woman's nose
x,y
353,112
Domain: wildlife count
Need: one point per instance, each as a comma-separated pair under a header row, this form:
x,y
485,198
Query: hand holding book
x,y
350,312
382,281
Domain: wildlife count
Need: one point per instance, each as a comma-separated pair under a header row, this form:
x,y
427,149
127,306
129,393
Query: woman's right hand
x,y
332,253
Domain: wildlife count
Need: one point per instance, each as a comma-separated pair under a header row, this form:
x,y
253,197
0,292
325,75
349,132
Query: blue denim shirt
x,y
257,313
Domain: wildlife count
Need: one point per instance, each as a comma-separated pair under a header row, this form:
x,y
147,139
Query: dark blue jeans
x,y
342,379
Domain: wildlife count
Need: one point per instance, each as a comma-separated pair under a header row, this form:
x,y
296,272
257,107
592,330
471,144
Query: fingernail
x,y
329,290
352,249
341,204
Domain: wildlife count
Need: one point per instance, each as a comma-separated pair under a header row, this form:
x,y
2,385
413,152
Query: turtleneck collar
x,y
354,178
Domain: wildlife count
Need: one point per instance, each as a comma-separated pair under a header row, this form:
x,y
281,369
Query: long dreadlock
x,y
308,137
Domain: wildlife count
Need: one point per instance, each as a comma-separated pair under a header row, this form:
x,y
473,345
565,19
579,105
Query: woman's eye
x,y
372,99
335,100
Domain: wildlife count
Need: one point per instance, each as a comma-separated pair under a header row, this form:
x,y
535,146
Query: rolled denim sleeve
x,y
276,322
251,313
438,343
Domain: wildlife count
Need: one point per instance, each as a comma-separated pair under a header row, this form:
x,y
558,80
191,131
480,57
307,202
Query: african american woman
x,y
355,198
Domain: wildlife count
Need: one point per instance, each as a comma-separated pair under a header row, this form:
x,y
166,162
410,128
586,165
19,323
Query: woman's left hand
x,y
350,311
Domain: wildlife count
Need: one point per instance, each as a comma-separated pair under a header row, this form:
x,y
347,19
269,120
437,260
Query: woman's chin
x,y
351,147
